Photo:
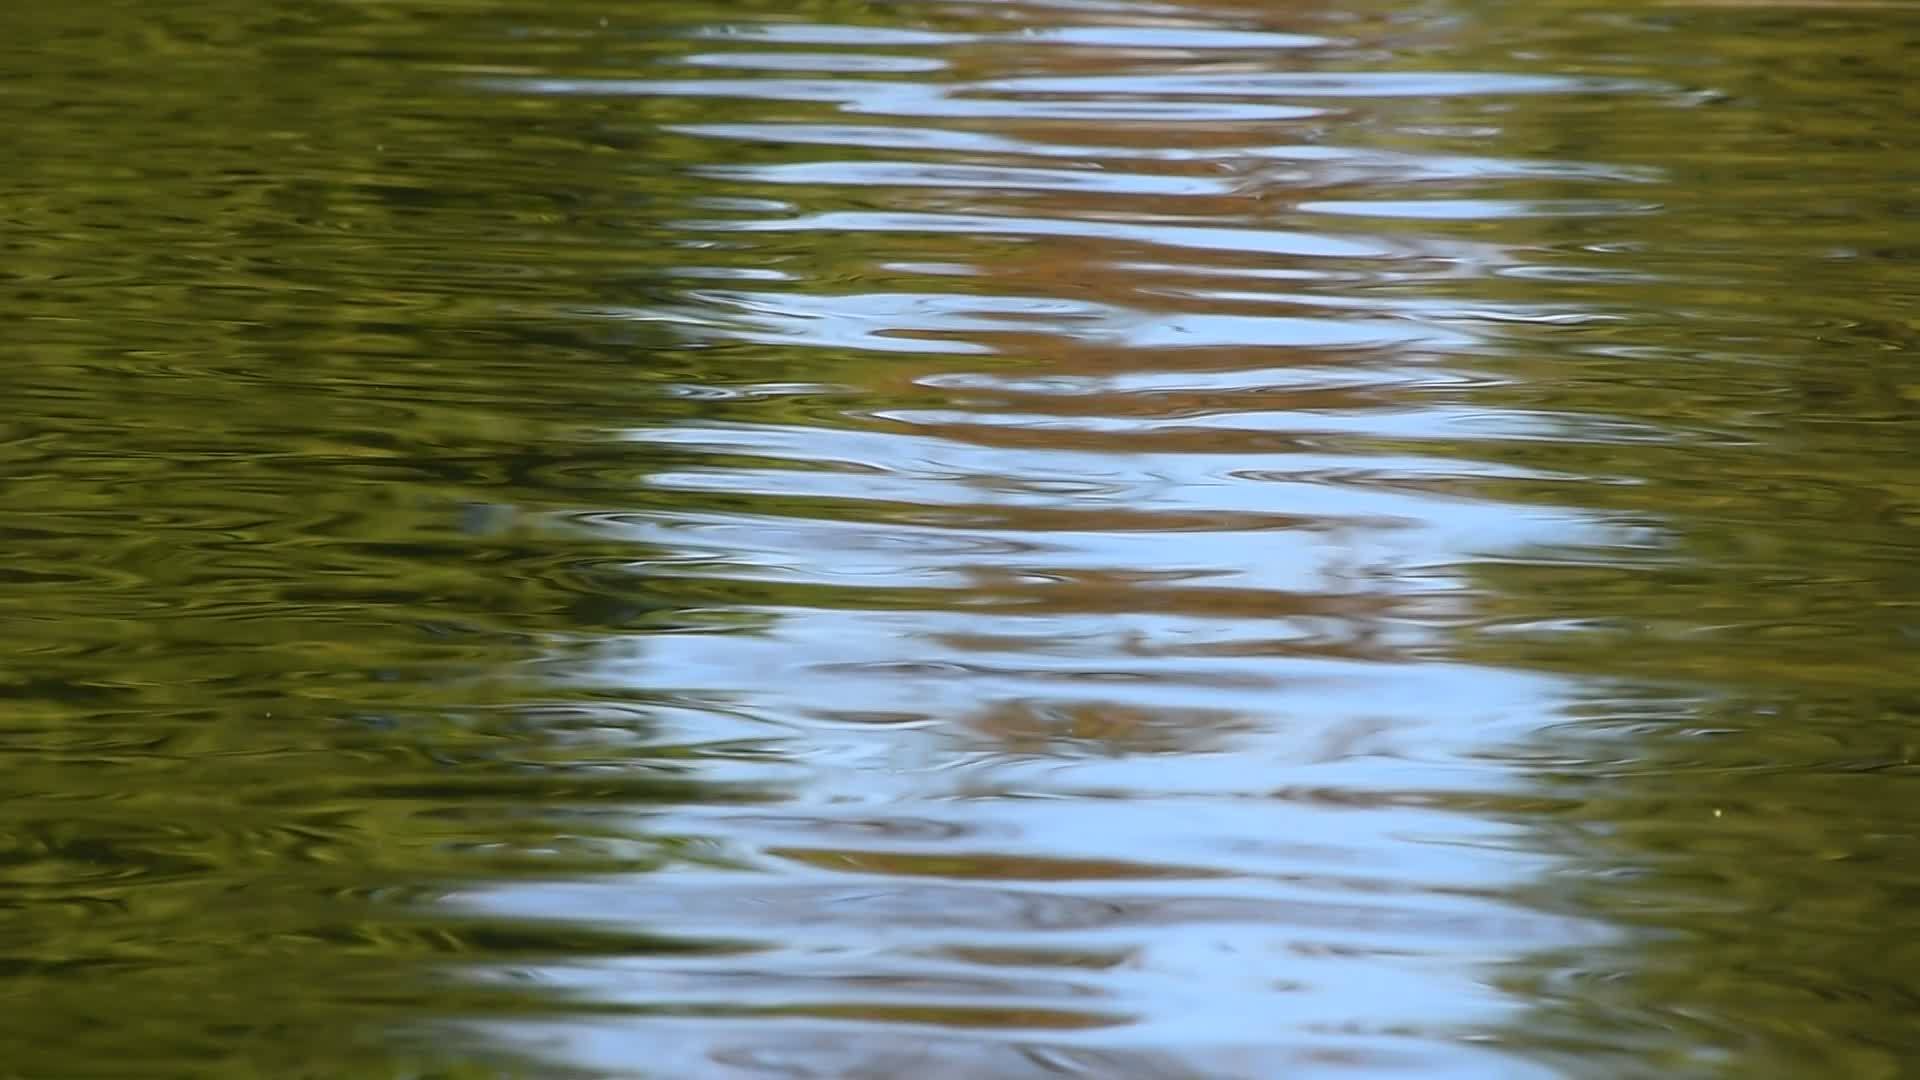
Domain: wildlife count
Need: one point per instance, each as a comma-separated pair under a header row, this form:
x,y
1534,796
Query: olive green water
x,y
960,539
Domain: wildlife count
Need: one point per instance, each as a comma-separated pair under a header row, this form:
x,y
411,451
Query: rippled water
x,y
960,539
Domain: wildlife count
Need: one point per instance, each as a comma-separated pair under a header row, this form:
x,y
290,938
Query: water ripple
x,y
1100,571
955,544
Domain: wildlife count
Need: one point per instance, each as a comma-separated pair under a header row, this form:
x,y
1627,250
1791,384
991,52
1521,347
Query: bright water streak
x,y
959,539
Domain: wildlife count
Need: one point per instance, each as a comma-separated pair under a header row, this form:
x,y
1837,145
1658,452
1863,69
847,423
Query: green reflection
x,y
281,591
322,366
1740,430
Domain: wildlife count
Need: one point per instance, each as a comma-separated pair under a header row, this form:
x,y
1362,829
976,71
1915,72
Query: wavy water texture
x,y
967,538
1105,580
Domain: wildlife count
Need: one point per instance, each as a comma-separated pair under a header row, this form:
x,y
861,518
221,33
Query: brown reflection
x,y
1113,727
1090,960
990,867
954,1016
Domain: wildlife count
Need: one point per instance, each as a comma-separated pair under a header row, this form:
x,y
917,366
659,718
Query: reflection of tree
x,y
1112,727
1733,796
296,419
312,493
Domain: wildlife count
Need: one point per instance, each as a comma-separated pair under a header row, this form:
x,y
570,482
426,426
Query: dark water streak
x,y
959,539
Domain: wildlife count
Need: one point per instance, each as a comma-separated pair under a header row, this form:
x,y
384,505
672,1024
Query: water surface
x,y
1079,538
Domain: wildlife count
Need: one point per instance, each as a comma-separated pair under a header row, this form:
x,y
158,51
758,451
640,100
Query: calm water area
x,y
1159,539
